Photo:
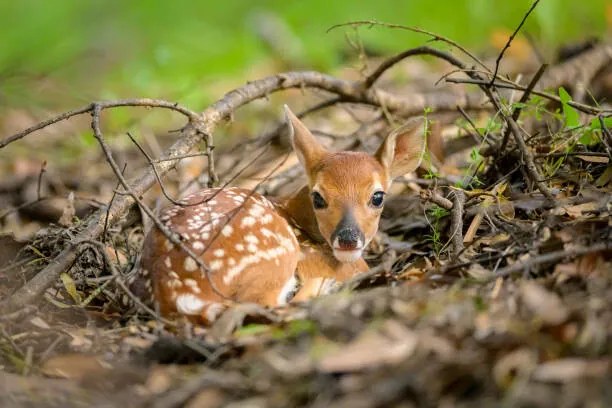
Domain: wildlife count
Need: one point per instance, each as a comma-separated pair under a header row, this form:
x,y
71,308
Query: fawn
x,y
272,251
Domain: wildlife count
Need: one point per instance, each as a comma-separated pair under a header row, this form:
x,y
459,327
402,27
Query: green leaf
x,y
70,287
589,138
571,116
253,329
596,124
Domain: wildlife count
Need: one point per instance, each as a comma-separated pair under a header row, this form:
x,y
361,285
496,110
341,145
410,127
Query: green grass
x,y
65,52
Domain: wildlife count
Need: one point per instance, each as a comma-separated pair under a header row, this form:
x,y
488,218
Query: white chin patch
x,y
347,256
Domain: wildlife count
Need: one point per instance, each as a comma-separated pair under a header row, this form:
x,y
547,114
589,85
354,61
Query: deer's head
x,y
348,189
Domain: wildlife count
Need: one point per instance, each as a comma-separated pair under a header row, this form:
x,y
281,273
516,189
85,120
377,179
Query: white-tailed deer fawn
x,y
269,251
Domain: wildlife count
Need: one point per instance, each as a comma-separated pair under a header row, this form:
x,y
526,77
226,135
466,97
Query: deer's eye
x,y
377,199
318,202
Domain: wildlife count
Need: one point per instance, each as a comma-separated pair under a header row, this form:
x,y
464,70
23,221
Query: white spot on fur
x,y
256,210
250,238
168,262
219,253
189,304
252,248
169,246
192,284
190,264
227,230
247,221
215,265
198,246
239,247
287,245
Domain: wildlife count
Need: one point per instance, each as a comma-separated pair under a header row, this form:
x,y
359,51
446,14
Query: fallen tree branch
x,y
526,265
457,222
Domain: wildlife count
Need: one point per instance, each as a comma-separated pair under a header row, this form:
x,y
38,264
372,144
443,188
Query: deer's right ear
x,y
402,151
308,149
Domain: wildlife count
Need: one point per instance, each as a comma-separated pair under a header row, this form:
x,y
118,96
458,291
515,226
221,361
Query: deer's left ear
x,y
308,149
401,152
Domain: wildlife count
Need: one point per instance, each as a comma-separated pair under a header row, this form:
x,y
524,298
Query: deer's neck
x,y
298,211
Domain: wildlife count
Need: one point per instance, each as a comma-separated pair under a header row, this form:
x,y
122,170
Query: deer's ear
x,y
308,149
401,152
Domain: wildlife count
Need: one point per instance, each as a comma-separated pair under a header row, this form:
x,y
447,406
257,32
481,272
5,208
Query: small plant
x,y
434,215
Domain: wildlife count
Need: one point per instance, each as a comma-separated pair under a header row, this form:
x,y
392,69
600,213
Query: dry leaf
x,y
390,344
75,366
594,159
137,342
68,213
570,369
544,304
479,272
160,378
576,211
207,398
40,323
516,364
471,232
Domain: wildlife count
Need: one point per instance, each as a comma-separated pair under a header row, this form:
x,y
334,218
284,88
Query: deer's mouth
x,y
347,251
347,255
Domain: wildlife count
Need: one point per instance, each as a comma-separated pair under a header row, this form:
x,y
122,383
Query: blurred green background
x,y
61,54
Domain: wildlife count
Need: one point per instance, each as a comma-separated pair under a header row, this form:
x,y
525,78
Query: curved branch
x,y
145,102
385,65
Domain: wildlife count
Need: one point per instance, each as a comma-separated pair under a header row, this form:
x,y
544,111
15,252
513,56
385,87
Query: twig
x,y
509,42
475,132
281,126
567,154
434,197
203,378
157,176
120,282
606,136
360,277
527,264
532,170
110,204
435,37
145,102
388,63
43,169
506,84
517,110
457,221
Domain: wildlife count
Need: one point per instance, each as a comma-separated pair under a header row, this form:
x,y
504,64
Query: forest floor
x,y
491,279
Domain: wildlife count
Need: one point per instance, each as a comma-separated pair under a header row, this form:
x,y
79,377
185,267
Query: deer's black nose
x,y
348,238
347,235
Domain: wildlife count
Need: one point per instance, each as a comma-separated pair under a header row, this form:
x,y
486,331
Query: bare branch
x,y
509,42
145,102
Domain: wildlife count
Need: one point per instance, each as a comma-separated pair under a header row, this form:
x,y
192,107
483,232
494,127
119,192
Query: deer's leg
x,y
311,287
